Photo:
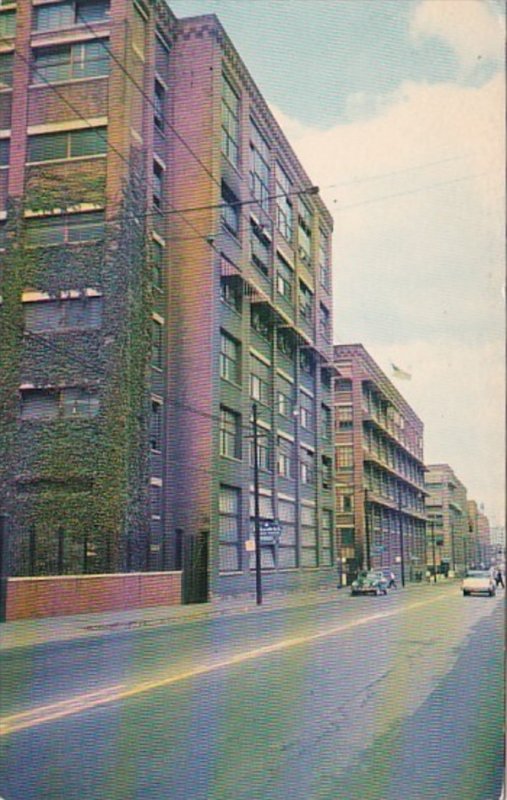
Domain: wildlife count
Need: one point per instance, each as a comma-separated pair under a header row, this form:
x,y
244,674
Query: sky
x,y
396,110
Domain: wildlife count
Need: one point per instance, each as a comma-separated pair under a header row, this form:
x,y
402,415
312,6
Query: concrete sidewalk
x,y
27,633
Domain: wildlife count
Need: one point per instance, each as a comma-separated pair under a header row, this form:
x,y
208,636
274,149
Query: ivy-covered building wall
x,y
82,286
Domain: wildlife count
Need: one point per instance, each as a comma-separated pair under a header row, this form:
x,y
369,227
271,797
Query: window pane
x,y
91,10
88,142
39,404
7,24
4,152
47,147
6,60
51,17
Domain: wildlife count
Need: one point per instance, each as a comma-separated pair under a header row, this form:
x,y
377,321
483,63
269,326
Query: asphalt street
x,y
398,697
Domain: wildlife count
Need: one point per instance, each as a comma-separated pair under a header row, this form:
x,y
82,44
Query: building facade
x,y
380,518
448,516
253,325
164,263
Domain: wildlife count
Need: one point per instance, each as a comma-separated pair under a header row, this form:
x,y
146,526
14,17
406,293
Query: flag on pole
x,y
400,373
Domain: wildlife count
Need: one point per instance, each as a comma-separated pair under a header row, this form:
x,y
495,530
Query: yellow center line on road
x,y
83,702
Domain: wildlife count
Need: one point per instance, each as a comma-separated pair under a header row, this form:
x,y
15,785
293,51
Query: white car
x,y
478,581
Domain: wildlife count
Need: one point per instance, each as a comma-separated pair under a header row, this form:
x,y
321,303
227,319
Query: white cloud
x,y
470,27
417,194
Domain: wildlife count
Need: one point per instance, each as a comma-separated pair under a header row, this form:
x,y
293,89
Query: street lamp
x,y
432,523
257,527
402,551
367,529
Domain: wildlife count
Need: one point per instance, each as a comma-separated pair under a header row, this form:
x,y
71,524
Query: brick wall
x,y
28,598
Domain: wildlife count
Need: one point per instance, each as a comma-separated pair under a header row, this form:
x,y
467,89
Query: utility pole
x,y
402,550
432,523
4,566
258,573
367,529
453,558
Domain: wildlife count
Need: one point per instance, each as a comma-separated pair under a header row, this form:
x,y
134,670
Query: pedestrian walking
x,y
499,579
392,581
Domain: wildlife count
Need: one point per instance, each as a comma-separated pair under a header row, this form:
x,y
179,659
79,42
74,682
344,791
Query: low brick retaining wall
x,y
56,596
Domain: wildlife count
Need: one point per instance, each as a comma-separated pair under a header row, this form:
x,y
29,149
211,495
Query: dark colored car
x,y
369,583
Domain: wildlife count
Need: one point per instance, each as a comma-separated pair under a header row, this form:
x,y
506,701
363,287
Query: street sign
x,y
270,531
378,548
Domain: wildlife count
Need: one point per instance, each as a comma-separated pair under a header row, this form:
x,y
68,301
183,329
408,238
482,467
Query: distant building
x,y
379,470
446,506
473,532
484,538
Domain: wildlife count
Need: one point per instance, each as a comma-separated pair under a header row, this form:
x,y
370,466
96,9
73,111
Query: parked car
x,y
369,583
478,581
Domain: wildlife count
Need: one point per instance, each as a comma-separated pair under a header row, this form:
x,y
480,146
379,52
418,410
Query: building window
x,y
306,361
325,423
231,291
66,14
307,465
285,342
159,105
260,381
287,554
285,457
230,209
345,421
7,24
230,358
50,315
347,537
305,221
306,414
305,302
156,344
230,121
69,144
260,248
343,385
156,425
327,472
6,61
324,265
230,433
162,52
65,229
324,322
263,451
347,503
261,320
284,397
158,184
54,403
308,537
284,212
326,537
155,501
344,458
157,265
4,152
70,62
229,507
259,166
284,279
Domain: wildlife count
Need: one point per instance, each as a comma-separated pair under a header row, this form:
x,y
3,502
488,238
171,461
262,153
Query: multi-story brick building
x,y
446,506
253,324
164,264
380,519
